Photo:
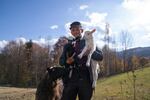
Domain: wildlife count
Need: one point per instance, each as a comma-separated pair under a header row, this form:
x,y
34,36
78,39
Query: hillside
x,y
118,87
140,52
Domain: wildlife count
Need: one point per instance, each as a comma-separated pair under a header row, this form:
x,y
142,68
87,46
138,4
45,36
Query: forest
x,y
24,64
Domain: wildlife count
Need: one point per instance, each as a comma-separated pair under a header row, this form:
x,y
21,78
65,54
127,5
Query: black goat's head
x,y
56,72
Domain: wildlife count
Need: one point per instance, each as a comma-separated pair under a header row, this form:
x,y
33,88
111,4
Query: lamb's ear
x,y
92,31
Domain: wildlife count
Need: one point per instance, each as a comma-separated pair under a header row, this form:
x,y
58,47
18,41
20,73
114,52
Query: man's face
x,y
76,31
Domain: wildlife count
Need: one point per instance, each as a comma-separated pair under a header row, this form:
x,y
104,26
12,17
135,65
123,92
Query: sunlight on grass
x,y
120,87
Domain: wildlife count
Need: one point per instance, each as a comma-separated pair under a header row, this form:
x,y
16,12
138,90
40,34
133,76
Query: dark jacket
x,y
79,66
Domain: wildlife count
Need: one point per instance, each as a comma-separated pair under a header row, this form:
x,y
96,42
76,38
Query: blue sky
x,y
42,19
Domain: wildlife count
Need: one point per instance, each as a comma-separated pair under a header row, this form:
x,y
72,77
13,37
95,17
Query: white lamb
x,y
89,45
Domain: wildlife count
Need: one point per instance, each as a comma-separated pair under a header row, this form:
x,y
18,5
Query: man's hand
x,y
70,60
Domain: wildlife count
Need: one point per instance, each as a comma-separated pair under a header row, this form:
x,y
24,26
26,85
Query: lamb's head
x,y
89,34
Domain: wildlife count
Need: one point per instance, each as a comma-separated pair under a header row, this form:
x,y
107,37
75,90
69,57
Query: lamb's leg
x,y
89,59
94,66
83,52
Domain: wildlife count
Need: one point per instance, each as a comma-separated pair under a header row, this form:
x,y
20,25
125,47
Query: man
x,y
78,81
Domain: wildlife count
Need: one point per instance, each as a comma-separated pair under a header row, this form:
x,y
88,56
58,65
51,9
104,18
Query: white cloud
x,y
54,27
67,28
53,41
132,15
139,23
143,40
139,10
82,7
41,41
44,42
21,39
3,43
132,4
95,20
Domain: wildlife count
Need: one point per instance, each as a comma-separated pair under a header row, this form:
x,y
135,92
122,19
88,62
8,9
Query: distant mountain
x,y
140,52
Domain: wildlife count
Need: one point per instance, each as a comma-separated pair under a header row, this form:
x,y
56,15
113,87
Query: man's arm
x,y
62,59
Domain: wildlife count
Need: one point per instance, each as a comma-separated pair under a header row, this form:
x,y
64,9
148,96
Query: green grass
x,y
120,87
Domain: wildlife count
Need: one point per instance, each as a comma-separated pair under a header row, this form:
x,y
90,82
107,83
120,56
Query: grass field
x,y
118,87
11,93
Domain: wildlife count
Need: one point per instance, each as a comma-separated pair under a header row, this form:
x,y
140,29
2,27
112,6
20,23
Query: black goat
x,y
50,88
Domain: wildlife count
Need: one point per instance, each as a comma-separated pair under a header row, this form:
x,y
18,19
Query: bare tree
x,y
126,40
106,38
58,49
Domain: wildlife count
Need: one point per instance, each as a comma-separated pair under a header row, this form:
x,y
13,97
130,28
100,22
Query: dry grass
x,y
12,93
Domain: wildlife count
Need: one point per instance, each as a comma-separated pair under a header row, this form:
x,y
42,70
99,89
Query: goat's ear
x,y
48,69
